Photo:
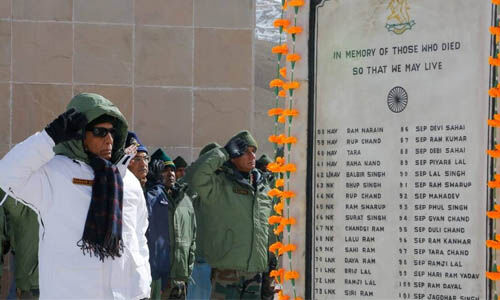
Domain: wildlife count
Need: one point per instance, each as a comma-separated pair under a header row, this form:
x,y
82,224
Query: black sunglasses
x,y
102,132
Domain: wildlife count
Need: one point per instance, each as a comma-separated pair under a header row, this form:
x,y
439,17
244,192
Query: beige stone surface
x,y
5,8
121,96
3,150
219,114
5,50
163,56
264,98
223,13
173,152
42,52
36,105
263,124
103,54
4,114
56,10
104,11
161,12
223,58
163,116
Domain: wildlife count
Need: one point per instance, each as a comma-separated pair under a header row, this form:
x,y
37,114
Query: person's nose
x,y
109,138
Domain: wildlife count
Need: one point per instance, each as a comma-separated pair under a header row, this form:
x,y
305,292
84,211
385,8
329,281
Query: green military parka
x,y
234,214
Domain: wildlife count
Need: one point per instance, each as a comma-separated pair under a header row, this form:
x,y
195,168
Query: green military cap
x,y
161,155
180,162
263,161
209,147
247,137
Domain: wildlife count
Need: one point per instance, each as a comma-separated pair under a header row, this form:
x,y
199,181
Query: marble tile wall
x,y
181,71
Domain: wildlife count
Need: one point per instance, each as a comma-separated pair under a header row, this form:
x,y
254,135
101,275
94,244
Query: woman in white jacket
x,y
92,210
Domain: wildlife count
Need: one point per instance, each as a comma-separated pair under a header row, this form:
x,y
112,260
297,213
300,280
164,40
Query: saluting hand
x,y
67,126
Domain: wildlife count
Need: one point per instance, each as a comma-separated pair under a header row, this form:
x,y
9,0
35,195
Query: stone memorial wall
x,y
399,171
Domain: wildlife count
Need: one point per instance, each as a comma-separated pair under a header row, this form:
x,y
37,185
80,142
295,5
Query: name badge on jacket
x,y
240,191
79,181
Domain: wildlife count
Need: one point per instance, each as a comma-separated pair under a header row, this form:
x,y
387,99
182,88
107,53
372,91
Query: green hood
x,y
94,106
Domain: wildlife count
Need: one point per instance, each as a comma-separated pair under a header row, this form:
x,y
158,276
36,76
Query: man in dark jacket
x,y
182,229
234,196
158,231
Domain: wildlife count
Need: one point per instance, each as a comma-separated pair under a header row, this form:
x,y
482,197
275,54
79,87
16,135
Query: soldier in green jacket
x,y
235,208
22,223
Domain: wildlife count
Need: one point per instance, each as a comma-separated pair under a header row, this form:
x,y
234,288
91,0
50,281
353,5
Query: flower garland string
x,y
494,214
282,220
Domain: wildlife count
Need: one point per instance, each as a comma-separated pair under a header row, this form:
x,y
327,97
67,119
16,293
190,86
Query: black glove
x,y
236,147
67,126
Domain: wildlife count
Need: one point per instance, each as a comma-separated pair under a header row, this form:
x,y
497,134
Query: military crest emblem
x,y
399,20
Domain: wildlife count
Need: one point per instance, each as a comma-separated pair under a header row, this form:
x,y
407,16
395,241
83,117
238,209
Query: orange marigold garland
x,y
283,170
494,92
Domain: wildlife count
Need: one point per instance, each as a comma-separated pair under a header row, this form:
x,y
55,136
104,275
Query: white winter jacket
x,y
33,174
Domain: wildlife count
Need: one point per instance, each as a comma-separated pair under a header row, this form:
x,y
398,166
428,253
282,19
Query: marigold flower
x,y
291,85
493,214
290,168
493,61
274,167
493,275
277,139
296,3
280,160
290,112
496,2
494,184
274,193
275,111
494,123
291,275
290,140
283,72
294,29
279,183
281,119
293,57
276,83
274,220
489,244
275,247
494,30
279,229
287,194
278,208
287,248
288,221
493,153
282,93
282,296
278,273
281,23
493,92
298,298
280,49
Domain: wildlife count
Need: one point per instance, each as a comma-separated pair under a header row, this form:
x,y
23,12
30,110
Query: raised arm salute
x,y
73,173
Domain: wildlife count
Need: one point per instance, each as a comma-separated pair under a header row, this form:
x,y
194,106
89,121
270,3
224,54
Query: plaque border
x,y
311,146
